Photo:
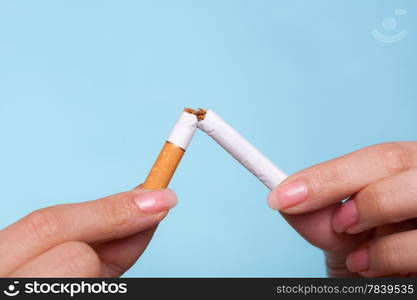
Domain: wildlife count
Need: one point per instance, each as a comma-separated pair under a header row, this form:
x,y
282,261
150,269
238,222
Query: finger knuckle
x,y
83,258
386,254
380,201
117,213
324,178
43,224
394,156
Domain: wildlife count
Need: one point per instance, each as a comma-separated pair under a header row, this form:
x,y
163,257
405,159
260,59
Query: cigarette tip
x,y
200,113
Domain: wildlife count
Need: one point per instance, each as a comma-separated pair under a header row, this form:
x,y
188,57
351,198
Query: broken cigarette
x,y
243,151
227,137
172,151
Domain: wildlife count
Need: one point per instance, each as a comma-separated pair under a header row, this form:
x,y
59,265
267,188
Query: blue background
x,y
90,89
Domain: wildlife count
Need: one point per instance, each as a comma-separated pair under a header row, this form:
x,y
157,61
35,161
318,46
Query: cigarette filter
x,y
243,151
172,151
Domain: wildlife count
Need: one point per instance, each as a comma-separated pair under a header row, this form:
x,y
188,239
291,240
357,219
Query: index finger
x,y
332,181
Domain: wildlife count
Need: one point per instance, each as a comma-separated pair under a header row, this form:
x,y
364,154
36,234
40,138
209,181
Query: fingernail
x,y
156,201
358,261
288,195
345,217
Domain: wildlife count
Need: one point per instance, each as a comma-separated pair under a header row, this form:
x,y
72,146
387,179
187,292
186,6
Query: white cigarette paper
x,y
183,130
243,151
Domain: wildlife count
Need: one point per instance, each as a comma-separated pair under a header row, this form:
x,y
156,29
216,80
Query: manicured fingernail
x,y
288,195
345,217
358,261
156,201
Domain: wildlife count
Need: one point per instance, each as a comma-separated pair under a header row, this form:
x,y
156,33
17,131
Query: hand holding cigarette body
x,y
374,233
101,238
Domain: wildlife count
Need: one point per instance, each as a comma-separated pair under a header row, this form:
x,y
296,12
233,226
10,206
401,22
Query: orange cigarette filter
x,y
164,167
173,150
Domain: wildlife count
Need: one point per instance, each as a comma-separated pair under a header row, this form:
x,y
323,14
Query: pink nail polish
x,y
156,201
346,216
358,261
288,195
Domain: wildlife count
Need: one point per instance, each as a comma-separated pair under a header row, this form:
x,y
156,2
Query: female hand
x,y
374,233
101,238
